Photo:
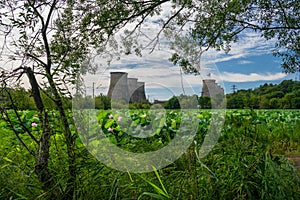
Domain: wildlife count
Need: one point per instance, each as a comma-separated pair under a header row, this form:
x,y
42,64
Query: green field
x,y
249,161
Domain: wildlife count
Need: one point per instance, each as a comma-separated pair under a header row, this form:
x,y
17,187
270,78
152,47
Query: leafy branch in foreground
x,y
50,43
194,26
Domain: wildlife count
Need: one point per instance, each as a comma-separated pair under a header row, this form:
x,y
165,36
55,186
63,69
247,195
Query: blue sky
x,y
264,64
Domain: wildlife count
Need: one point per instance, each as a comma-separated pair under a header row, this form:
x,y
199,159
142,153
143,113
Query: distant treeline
x,y
285,95
22,99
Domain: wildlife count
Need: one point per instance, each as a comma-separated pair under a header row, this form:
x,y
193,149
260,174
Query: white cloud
x,y
157,65
244,62
249,44
238,77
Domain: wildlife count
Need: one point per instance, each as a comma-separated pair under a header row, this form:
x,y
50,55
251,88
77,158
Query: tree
x,y
296,102
274,103
35,38
253,101
288,101
172,103
204,102
195,26
51,43
235,100
22,98
264,103
102,102
267,96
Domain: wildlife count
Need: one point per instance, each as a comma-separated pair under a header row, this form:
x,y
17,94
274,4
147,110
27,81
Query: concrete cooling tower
x,y
123,88
141,92
118,88
132,89
211,88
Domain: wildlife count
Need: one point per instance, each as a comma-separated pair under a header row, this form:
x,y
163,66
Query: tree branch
x,y
36,12
164,26
45,39
284,14
36,59
19,118
257,27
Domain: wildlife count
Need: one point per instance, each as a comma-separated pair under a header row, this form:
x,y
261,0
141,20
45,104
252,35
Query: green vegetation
x,y
285,95
52,44
22,99
248,162
219,23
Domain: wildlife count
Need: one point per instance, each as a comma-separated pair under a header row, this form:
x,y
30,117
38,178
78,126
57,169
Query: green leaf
x,y
109,123
7,159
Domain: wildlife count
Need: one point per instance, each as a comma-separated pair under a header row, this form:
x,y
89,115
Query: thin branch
x,y
126,20
50,13
19,118
37,12
44,32
164,26
45,38
17,134
284,14
257,27
36,59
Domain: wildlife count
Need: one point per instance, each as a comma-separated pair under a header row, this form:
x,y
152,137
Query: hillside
x,y
285,95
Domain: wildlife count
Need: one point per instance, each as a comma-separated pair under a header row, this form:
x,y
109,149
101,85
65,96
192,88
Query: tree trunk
x,y
70,141
42,157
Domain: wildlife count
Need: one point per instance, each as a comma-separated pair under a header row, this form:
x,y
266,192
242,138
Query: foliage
x,y
268,96
172,103
52,42
248,162
182,101
102,102
216,24
139,105
23,99
204,102
161,193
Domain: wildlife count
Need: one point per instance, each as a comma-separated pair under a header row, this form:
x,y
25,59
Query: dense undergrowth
x,y
248,162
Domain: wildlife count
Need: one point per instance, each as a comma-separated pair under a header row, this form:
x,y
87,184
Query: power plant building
x,y
132,89
211,89
123,88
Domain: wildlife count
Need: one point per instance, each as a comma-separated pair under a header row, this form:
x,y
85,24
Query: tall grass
x,y
248,162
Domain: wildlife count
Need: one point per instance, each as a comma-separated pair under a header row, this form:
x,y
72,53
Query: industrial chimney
x,y
211,89
141,92
118,88
132,89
